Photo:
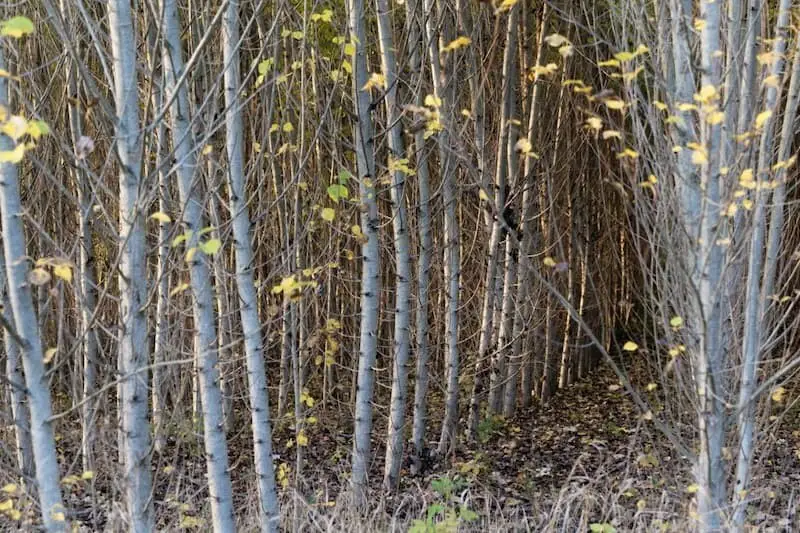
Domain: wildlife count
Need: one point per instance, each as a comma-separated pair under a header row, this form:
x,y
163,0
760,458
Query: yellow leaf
x,y
16,27
302,439
211,246
63,271
13,156
624,56
683,106
549,262
523,146
10,488
699,157
433,101
661,106
747,204
328,214
694,487
615,104
376,80
14,514
37,128
190,253
49,354
611,134
207,149
771,81
594,123
608,63
356,230
7,505
288,127
160,217
715,117
762,117
180,288
630,346
676,322
707,94
459,42
651,387
628,152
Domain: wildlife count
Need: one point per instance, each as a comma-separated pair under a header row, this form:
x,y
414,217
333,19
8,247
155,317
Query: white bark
x,y
754,302
370,251
248,297
402,252
443,78
133,357
190,190
16,384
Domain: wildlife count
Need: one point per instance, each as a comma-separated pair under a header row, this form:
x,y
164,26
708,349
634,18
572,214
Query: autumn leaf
x,y
16,27
630,346
328,214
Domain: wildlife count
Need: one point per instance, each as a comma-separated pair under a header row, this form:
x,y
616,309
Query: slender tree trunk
x,y
132,271
417,52
16,384
444,89
248,296
191,195
402,251
754,300
370,251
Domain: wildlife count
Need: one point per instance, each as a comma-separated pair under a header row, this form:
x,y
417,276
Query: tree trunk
x,y
191,196
133,356
402,251
370,251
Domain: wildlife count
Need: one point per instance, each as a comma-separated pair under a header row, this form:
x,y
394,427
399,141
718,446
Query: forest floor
x,y
587,461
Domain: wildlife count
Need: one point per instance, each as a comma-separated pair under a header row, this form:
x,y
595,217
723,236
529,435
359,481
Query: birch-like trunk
x,y
402,251
443,78
21,298
191,197
133,356
16,384
754,299
370,252
245,283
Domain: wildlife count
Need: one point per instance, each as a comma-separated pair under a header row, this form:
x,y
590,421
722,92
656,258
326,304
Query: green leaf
x,y
16,27
211,246
344,177
337,192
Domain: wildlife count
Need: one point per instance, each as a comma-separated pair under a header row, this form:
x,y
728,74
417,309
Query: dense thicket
x,y
257,254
